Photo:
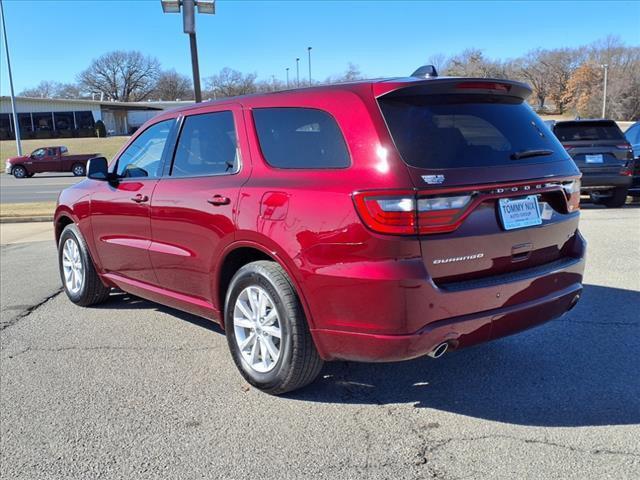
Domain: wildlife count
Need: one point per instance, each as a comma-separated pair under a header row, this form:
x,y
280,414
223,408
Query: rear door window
x,y
581,131
300,138
207,146
449,131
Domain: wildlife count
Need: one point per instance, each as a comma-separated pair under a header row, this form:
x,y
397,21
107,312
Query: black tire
x,y
617,199
19,171
92,291
78,170
299,363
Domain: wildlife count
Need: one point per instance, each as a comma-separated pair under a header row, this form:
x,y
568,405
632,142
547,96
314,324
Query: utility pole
x,y
309,53
189,24
16,126
604,93
297,72
287,69
189,27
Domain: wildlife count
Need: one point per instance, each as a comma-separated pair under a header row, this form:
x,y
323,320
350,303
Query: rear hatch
x,y
495,191
597,147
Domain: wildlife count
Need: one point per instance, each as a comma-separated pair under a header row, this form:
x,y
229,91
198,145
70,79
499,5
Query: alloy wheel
x,y
257,329
72,266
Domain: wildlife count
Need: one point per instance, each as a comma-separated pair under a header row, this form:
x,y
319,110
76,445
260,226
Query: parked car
x,y
633,137
603,156
47,159
370,221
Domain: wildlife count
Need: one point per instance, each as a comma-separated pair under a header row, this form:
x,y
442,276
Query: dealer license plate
x,y
519,212
593,159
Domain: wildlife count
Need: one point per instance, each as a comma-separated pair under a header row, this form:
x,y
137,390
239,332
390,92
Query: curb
x,y
44,218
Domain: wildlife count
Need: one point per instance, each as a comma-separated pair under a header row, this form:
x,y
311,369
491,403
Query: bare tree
x,y
172,85
534,73
351,74
120,75
273,85
472,63
439,60
48,89
45,89
230,83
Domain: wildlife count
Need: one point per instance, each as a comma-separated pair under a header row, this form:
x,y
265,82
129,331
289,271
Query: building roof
x,y
149,105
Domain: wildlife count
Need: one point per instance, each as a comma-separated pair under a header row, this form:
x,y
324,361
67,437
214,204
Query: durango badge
x,y
438,261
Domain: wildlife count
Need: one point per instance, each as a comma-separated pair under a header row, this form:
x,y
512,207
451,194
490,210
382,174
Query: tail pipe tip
x,y
439,350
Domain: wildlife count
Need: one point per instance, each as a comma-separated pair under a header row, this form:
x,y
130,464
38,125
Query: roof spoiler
x,y
450,85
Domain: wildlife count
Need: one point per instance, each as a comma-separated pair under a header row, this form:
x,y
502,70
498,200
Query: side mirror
x,y
98,169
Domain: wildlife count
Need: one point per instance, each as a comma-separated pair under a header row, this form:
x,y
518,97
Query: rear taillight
x,y
404,213
627,170
572,191
623,146
440,214
568,147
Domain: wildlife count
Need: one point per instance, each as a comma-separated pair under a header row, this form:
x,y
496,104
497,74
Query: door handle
x,y
219,200
140,198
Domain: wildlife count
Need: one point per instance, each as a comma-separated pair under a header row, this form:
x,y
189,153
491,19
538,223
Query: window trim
x,y
312,169
166,174
163,157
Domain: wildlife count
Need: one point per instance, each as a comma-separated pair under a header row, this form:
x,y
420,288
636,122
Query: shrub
x,y
101,130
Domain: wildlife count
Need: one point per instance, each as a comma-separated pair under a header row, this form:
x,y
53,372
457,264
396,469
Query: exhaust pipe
x,y
439,350
574,302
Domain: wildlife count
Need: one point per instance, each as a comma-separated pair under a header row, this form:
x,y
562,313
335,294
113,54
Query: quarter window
x,y
207,146
143,157
300,138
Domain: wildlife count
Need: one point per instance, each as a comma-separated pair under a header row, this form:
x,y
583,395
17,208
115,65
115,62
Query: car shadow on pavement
x,y
582,369
125,301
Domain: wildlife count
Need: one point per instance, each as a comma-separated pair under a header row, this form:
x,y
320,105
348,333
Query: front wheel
x,y
617,199
78,170
267,331
79,277
19,171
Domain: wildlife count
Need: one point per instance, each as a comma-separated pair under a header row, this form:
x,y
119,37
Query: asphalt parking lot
x,y
137,390
43,187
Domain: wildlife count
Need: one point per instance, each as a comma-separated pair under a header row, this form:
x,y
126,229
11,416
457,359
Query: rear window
x,y
449,131
300,138
577,131
207,146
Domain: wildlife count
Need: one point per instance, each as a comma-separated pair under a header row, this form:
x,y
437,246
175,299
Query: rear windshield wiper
x,y
530,153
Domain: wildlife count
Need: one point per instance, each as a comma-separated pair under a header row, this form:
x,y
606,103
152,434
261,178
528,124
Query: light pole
x,y
189,27
604,93
16,126
297,72
287,69
309,53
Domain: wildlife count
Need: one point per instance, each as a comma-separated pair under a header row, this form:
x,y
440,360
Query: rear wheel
x,y
19,171
267,331
78,170
79,277
617,199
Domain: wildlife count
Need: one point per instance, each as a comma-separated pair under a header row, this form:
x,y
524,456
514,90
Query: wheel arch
x,y
14,165
61,221
241,253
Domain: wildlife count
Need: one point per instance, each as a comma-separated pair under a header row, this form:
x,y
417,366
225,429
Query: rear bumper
x,y
459,332
490,308
591,182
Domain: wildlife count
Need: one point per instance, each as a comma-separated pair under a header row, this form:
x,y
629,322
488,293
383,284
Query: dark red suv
x,y
372,221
